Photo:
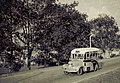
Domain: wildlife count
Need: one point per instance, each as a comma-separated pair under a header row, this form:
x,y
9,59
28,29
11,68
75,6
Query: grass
x,y
111,77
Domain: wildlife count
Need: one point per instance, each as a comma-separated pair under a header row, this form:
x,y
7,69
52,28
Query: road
x,y
56,75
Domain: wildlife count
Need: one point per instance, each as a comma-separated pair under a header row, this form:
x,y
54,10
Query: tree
x,y
105,29
46,25
9,20
31,12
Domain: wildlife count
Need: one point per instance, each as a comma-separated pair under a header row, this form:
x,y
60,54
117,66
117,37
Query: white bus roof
x,y
84,50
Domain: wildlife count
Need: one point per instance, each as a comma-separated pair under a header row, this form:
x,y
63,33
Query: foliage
x,y
105,29
9,19
62,28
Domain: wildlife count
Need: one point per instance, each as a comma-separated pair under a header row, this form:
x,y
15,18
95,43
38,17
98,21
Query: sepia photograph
x,y
59,41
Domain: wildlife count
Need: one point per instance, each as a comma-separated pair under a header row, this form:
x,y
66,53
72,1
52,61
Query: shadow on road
x,y
28,77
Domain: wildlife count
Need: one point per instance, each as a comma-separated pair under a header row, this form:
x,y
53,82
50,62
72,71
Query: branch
x,y
17,34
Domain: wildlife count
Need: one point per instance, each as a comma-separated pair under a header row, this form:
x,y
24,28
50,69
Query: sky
x,y
95,7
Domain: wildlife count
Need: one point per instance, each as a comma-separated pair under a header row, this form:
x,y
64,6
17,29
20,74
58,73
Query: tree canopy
x,y
9,19
62,28
105,29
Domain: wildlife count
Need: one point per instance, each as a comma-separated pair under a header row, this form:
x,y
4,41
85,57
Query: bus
x,y
83,60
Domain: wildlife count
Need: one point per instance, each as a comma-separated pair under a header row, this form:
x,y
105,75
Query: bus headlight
x,y
64,66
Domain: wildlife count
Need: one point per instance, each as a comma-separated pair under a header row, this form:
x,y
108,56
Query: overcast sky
x,y
95,7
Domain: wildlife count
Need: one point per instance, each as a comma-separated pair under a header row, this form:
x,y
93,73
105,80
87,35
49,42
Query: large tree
x,y
31,15
46,25
16,19
61,27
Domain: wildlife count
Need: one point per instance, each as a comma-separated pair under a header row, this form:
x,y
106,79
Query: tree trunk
x,y
44,62
45,59
29,57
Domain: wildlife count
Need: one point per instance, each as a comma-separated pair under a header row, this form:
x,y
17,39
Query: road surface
x,y
56,75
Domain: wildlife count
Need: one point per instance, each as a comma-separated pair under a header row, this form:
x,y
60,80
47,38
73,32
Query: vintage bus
x,y
83,60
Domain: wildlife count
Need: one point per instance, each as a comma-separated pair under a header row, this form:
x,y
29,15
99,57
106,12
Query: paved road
x,y
56,75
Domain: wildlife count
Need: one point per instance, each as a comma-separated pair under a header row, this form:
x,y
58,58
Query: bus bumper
x,y
71,69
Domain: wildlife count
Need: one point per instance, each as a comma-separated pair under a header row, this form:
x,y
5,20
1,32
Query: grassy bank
x,y
111,77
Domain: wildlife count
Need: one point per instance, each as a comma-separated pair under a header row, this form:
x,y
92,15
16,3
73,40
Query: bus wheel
x,y
66,73
80,71
96,67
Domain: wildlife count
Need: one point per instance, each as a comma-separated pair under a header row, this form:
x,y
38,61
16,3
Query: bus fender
x,y
82,68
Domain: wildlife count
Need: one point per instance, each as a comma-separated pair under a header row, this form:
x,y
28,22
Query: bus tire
x,y
66,73
80,71
96,67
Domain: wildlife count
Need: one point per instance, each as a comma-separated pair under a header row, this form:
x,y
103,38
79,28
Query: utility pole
x,y
93,32
90,40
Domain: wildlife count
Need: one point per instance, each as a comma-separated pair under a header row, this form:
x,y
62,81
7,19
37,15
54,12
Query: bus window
x,y
85,56
72,56
80,56
97,54
94,55
91,56
75,55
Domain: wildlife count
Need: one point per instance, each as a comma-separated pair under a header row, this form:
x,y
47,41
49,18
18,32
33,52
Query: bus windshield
x,y
77,56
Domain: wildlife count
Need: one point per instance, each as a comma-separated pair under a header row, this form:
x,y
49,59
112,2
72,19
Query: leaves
x,y
62,25
105,29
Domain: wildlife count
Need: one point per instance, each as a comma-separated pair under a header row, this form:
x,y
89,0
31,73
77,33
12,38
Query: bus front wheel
x,y
66,73
80,71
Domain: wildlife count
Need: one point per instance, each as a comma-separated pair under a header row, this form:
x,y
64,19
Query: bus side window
x,y
94,55
73,56
91,55
88,55
79,55
85,56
